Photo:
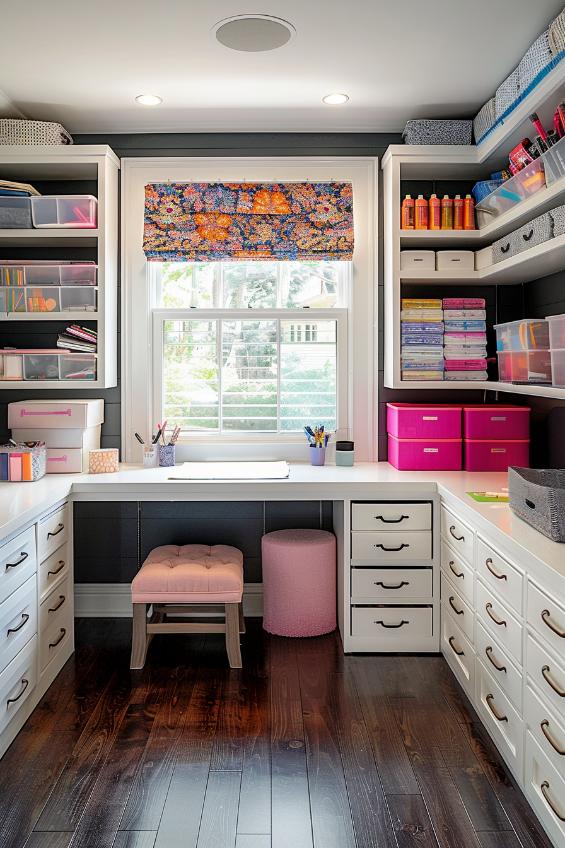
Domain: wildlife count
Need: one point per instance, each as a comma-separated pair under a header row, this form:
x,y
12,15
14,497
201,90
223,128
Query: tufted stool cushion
x,y
190,574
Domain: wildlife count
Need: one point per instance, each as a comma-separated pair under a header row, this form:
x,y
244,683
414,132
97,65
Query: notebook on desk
x,y
231,471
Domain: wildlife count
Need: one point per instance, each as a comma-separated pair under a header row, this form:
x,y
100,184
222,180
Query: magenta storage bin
x,y
425,454
423,421
506,423
490,455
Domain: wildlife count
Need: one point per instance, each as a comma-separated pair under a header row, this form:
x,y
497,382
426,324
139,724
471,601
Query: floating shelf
x,y
483,385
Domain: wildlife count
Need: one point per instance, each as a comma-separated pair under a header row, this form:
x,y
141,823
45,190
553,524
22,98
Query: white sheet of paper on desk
x,y
231,471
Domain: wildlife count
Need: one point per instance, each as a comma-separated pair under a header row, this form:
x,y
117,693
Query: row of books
x,y
77,338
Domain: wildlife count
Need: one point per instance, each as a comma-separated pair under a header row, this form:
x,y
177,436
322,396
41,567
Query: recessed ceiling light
x,y
253,33
148,99
335,99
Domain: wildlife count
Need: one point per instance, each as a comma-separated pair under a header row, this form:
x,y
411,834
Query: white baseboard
x,y
113,600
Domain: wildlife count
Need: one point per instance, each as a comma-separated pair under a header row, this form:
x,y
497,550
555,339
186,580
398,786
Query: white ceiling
x,y
83,63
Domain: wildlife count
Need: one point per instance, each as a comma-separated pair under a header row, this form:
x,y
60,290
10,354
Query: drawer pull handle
x,y
23,556
455,650
505,248
550,682
57,606
545,730
498,716
544,787
399,548
61,565
23,622
62,634
60,528
25,684
457,573
391,520
546,617
493,571
500,621
392,585
457,538
454,608
528,236
400,624
488,652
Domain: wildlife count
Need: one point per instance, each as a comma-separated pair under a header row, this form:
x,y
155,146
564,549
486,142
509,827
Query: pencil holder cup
x,y
150,456
317,456
166,456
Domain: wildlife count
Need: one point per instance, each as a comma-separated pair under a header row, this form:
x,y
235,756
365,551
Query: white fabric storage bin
x,y
56,414
67,449
484,120
483,258
65,461
455,260
536,58
507,93
421,259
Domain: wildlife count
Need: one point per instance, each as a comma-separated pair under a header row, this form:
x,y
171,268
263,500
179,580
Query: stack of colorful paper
x,y
422,339
465,338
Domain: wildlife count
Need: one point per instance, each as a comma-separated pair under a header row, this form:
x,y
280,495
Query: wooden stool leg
x,y
241,619
232,635
139,636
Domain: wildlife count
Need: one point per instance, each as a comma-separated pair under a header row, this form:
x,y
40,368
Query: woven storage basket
x,y
536,58
20,131
538,497
507,93
484,120
558,218
424,131
556,34
535,232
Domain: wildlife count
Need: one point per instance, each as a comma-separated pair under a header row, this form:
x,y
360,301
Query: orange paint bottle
x,y
468,213
407,216
458,205
446,212
421,216
435,212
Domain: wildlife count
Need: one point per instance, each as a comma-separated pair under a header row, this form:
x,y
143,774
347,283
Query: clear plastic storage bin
x,y
11,366
556,331
78,299
15,213
522,335
524,366
41,366
78,366
13,300
48,274
558,367
554,161
69,210
525,183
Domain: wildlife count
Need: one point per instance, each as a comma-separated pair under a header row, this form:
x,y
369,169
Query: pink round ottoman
x,y
299,582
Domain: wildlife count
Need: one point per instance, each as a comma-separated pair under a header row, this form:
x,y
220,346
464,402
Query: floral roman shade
x,y
187,222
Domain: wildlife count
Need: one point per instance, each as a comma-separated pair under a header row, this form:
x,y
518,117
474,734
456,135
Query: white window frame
x,y
137,339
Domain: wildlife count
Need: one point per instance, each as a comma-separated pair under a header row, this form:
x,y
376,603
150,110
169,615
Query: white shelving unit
x,y
72,163
454,162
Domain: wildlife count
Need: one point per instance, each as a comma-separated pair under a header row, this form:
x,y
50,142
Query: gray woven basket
x,y
556,34
535,232
558,218
507,93
536,58
538,497
426,131
484,120
21,131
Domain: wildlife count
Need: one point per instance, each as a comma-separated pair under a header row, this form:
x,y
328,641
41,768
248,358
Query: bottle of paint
x,y
421,213
468,213
407,218
435,212
458,205
446,212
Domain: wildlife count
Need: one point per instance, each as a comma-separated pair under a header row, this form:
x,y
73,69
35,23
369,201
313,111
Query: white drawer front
x,y
459,654
547,675
500,718
502,577
18,562
545,790
56,604
457,608
498,662
18,621
548,731
391,547
391,516
459,535
547,618
499,621
17,682
391,622
52,532
53,569
461,575
390,585
55,638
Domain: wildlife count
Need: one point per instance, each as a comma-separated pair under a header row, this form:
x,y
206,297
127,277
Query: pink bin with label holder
x,y
425,454
505,423
423,421
489,455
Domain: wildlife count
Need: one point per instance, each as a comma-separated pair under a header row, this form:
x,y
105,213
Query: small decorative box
x,y
103,461
22,463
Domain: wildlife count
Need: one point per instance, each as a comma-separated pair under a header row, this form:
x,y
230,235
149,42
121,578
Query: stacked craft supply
x,y
422,339
496,437
22,463
435,214
465,338
77,338
423,437
70,429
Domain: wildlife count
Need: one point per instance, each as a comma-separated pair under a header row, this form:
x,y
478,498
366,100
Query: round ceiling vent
x,y
253,33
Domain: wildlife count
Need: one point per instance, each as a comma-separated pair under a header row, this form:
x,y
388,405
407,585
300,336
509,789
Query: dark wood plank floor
x,y
303,748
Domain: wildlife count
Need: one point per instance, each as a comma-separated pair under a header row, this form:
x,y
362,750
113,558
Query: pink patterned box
x,y
507,423
463,303
488,455
465,364
425,454
422,421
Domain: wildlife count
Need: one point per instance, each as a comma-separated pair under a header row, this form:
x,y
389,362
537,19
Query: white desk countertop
x,y
22,502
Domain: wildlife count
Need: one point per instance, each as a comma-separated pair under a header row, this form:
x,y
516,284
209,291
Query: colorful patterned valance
x,y
204,222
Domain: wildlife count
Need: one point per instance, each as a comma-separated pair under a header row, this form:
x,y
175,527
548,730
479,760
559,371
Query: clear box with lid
x,y
75,211
524,366
525,183
527,334
556,331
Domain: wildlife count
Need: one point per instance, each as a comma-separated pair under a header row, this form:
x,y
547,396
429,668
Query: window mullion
x,y
278,375
219,345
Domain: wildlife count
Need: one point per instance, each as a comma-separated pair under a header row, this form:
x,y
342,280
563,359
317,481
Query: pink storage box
x,y
64,461
463,303
506,423
489,455
425,454
422,421
465,364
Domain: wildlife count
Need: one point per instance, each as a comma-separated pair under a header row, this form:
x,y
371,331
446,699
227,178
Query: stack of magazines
x,y
11,189
79,339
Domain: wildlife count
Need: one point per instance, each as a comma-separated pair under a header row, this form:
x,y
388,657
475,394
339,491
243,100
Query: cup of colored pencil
x,y
318,440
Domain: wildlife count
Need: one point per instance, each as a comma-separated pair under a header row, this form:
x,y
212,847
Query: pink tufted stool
x,y
176,578
299,582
